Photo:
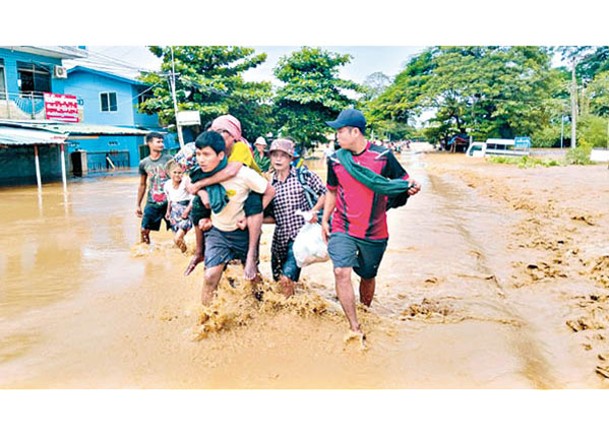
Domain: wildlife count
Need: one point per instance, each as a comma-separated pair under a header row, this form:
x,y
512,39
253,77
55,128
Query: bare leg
x,y
344,291
198,256
287,286
366,290
212,278
254,224
179,240
145,236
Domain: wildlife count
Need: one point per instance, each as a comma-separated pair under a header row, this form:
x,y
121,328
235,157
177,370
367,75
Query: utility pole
x,y
172,82
573,105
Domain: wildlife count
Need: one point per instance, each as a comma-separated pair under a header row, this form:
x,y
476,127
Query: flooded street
x,y
494,277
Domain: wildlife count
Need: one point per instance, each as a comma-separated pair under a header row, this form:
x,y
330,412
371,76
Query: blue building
x,y
26,73
106,130
112,125
109,99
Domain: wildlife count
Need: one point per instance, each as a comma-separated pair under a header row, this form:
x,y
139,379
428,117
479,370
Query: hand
x,y
414,187
191,188
325,231
314,218
185,215
138,211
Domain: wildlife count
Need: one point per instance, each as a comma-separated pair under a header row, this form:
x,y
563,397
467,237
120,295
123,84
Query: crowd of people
x,y
231,189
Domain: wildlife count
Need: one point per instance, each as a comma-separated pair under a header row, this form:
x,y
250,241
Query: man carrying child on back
x,y
225,240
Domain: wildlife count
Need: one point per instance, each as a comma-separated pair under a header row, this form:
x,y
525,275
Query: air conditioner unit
x,y
60,72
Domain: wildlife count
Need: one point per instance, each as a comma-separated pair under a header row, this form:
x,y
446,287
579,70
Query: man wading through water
x,y
363,181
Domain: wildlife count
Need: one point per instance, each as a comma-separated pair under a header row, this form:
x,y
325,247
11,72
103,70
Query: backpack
x,y
312,197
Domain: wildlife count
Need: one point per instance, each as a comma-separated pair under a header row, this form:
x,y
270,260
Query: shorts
x,y
224,246
364,256
289,268
153,215
175,219
253,204
199,211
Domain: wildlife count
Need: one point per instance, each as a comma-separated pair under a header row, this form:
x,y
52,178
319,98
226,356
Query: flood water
x,y
84,305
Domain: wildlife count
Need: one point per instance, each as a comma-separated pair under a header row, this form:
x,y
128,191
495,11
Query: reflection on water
x,y
50,253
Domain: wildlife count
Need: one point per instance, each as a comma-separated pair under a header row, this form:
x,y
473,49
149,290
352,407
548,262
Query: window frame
x,y
106,97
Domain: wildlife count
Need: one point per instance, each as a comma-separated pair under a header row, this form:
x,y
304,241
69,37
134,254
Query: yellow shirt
x,y
241,153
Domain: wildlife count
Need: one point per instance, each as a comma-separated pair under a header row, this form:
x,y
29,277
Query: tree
x,y
375,84
486,90
209,80
311,94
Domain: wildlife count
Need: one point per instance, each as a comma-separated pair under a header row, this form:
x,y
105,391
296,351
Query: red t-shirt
x,y
359,211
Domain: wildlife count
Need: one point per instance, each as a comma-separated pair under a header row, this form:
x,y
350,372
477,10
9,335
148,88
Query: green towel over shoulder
x,y
371,179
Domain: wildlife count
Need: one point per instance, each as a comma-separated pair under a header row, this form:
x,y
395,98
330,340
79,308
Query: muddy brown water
x,y
469,294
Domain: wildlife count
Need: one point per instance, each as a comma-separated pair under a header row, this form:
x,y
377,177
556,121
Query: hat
x,y
285,145
260,141
228,123
349,118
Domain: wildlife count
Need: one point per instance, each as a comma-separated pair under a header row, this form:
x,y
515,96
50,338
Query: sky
x,y
389,60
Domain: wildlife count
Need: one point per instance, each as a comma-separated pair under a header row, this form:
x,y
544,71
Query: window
x,y
3,95
33,79
143,97
108,102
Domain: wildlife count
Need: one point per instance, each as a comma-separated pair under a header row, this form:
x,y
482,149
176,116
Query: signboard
x,y
61,107
522,142
189,117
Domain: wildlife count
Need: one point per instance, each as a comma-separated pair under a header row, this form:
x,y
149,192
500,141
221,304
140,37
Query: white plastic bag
x,y
309,246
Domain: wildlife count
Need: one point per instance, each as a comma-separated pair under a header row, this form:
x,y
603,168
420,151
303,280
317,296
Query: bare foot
x,y
357,336
196,259
250,271
180,243
145,238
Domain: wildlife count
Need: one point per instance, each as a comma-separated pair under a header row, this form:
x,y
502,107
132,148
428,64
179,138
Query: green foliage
x,y
524,161
209,80
311,94
592,132
578,156
493,91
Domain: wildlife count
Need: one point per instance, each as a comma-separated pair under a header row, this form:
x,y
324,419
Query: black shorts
x,y
153,215
199,211
253,204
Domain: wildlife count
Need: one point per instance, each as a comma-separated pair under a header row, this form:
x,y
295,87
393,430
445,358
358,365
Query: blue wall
x,y
143,120
88,87
116,146
10,65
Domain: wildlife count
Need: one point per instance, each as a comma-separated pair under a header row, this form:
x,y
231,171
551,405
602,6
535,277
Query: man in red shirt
x,y
364,180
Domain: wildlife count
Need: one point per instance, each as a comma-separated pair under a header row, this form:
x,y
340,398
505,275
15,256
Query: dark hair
x,y
153,135
211,139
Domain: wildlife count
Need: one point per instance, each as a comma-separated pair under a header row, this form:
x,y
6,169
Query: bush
x,y
524,162
578,156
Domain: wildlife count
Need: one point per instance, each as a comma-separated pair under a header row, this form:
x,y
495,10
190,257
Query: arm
x,y
168,212
141,190
318,206
187,211
268,195
329,205
231,170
